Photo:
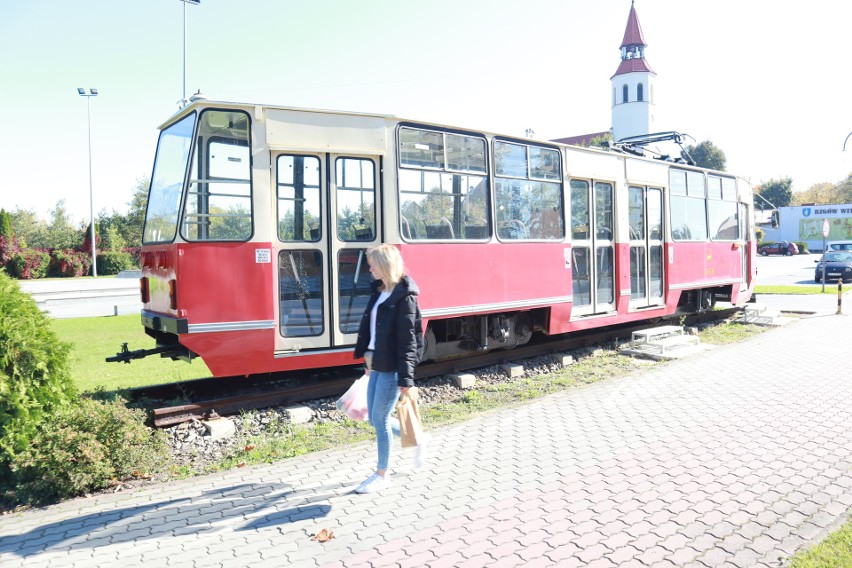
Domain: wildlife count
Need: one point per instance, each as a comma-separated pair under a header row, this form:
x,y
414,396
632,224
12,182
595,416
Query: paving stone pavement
x,y
738,456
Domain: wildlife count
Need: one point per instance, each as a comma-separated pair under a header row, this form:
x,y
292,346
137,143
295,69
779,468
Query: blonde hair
x,y
389,262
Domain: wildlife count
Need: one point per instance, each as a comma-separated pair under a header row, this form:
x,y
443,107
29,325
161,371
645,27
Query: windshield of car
x,y
838,257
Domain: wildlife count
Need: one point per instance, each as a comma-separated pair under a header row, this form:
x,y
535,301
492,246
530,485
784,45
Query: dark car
x,y
838,265
785,248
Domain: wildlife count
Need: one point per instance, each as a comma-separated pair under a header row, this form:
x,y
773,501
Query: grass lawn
x,y
830,288
835,550
95,339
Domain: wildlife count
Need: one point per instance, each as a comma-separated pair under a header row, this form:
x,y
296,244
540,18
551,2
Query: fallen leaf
x,y
248,448
241,464
323,536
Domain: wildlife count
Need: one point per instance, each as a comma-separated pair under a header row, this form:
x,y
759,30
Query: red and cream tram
x,y
259,217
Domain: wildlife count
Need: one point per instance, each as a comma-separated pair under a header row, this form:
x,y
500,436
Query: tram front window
x,y
167,181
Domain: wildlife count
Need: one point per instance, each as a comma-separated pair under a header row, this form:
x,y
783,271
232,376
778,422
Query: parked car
x,y
838,245
838,265
784,247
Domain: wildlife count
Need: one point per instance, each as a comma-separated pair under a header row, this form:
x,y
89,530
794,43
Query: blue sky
x,y
766,81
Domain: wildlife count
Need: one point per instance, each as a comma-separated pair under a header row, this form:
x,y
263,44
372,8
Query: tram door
x,y
646,246
592,252
326,220
745,231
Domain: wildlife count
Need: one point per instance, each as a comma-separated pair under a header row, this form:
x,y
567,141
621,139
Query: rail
x,y
248,393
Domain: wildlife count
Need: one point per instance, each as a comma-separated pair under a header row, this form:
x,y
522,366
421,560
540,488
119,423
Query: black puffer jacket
x,y
399,331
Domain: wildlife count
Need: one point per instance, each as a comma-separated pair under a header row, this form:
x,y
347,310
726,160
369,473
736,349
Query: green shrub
x,y
69,263
113,262
87,446
803,246
29,263
34,376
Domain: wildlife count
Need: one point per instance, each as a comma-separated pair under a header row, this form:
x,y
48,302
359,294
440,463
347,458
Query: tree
x,y
707,155
61,234
824,193
6,229
31,232
778,192
135,218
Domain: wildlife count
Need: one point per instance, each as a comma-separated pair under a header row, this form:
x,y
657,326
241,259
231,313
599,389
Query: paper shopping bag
x,y
411,430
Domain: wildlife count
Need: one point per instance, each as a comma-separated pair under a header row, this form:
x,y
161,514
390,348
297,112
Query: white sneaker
x,y
421,452
374,483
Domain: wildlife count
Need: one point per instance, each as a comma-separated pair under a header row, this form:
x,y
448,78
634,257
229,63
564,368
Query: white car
x,y
838,245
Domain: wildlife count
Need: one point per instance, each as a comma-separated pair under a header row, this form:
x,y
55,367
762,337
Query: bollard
x,y
839,296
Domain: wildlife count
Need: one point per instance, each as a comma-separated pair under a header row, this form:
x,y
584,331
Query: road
x,y
786,270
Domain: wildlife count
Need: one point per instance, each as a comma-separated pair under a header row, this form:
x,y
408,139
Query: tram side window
x,y
443,186
218,201
356,199
298,196
722,208
688,206
528,192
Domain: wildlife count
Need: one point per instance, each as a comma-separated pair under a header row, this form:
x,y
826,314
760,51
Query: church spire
x,y
633,47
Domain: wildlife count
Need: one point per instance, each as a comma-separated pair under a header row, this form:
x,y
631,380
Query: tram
x,y
259,218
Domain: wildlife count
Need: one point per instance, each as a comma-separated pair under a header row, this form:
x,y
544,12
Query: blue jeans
x,y
382,394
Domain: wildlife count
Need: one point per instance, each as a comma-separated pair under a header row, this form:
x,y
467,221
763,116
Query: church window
x,y
624,97
639,93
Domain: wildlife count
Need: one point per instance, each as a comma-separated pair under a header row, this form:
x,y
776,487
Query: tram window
x,y
298,197
605,289
218,202
603,211
722,209
655,214
356,199
580,219
510,160
581,276
636,207
442,185
465,154
161,218
353,285
688,208
527,209
300,293
729,189
677,182
695,184
714,187
421,148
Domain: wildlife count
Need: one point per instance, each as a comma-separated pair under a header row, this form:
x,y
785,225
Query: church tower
x,y
632,85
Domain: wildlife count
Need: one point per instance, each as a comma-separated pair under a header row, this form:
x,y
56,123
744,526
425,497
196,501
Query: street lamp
x,y
183,99
91,93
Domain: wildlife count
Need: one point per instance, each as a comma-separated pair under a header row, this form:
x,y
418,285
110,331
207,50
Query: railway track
x,y
203,398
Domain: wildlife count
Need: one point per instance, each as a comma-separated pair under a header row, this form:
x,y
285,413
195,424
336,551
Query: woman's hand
x,y
403,391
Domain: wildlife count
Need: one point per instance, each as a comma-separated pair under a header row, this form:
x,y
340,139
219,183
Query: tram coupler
x,y
126,356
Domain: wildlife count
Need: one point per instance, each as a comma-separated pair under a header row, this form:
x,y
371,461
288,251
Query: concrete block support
x,y
513,371
299,414
464,380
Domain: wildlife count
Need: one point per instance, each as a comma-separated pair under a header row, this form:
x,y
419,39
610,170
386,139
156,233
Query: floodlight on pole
x,y
183,99
91,93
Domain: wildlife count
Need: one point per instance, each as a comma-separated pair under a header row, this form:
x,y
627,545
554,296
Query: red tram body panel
x,y
259,219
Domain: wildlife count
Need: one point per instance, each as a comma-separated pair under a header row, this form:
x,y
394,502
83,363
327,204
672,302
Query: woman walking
x,y
390,338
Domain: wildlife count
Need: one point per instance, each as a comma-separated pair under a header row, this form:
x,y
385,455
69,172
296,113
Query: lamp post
x,y
183,99
89,94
